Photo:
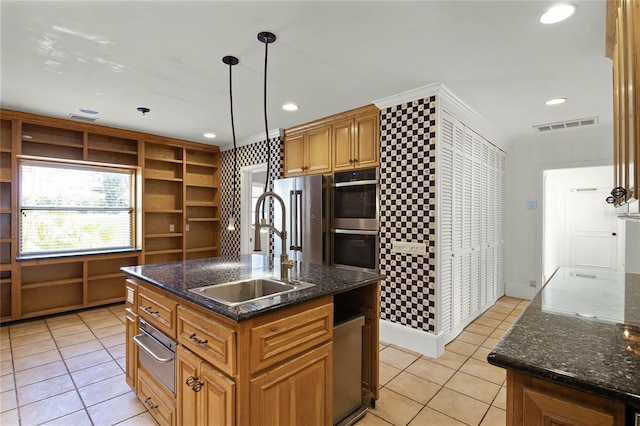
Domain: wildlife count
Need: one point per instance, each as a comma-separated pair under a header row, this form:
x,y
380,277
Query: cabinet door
x,y
367,141
318,153
217,398
298,392
542,409
187,366
343,154
131,348
294,155
158,401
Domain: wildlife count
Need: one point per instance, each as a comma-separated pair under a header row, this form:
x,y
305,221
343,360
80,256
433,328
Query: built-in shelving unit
x,y
180,211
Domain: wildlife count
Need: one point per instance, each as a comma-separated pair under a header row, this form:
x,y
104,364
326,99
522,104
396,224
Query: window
x,y
76,207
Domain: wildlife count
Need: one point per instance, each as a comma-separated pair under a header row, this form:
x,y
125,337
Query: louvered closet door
x,y
476,219
484,236
459,218
491,226
445,221
500,222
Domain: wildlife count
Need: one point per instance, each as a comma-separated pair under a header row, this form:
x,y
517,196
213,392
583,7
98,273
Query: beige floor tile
x,y
500,400
490,343
480,329
102,323
87,360
498,334
8,400
449,359
431,371
119,351
462,348
10,418
94,315
29,327
470,337
109,341
31,339
80,349
397,358
387,372
494,417
7,383
45,389
481,354
50,408
494,315
474,387
504,325
27,350
117,329
512,318
104,390
116,410
6,367
5,354
484,371
38,374
381,346
68,331
75,339
413,387
428,416
78,418
487,322
145,419
36,360
122,362
96,373
500,309
460,407
395,408
64,321
409,351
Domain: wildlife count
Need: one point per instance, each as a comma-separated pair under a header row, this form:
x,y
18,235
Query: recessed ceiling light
x,y
209,135
556,101
290,107
88,111
557,13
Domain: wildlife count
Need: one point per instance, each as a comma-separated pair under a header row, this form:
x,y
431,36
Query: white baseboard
x,y
420,341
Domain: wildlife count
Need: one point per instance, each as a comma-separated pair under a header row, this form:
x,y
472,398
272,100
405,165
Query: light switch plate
x,y
418,249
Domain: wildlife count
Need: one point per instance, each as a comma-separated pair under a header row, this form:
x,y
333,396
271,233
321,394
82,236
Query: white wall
x,y
526,160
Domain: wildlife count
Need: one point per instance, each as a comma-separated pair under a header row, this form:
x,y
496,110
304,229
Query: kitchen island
x,y
268,361
573,356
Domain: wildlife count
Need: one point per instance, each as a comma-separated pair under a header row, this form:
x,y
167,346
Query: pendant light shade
x,y
231,61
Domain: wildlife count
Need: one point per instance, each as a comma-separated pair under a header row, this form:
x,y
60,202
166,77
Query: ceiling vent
x,y
569,124
83,118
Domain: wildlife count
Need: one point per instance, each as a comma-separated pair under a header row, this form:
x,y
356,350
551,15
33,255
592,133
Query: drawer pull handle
x,y
150,311
150,404
194,383
198,341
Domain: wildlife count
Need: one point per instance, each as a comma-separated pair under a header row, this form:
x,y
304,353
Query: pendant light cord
x,y
266,127
235,150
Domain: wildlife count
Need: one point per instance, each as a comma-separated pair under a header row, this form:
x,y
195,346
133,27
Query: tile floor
x,y
69,370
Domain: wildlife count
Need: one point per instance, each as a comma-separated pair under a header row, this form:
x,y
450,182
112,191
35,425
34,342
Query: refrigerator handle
x,y
292,225
299,220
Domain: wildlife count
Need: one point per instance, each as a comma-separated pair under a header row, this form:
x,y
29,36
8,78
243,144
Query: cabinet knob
x,y
150,404
150,311
350,161
198,341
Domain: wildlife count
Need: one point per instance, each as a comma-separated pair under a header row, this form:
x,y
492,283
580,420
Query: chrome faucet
x,y
285,263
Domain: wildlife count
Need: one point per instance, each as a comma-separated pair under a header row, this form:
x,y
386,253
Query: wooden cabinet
x,y
7,239
131,366
156,399
623,46
308,152
356,142
160,311
204,395
533,402
340,142
297,392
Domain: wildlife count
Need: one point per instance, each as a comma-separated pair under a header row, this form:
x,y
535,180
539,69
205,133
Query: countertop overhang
x,y
582,330
178,277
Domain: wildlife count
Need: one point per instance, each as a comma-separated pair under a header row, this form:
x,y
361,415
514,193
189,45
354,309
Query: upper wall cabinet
x,y
623,46
340,142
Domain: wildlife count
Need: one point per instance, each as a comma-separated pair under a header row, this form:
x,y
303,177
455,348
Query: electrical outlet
x,y
533,283
186,227
172,228
409,248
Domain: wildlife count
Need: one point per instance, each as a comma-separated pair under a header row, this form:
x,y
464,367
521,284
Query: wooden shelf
x,y
8,150
196,163
157,252
202,185
5,267
5,280
202,204
166,235
117,151
56,143
5,180
198,249
203,219
51,283
101,277
165,160
106,301
5,211
163,178
52,311
164,211
5,240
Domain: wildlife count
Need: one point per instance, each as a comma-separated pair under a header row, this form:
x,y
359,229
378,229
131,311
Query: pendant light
x,y
231,61
266,38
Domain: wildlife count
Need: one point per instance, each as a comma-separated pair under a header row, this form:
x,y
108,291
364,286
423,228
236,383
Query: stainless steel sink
x,y
245,291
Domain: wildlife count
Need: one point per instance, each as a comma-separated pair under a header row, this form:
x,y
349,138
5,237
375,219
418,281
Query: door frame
x,y
246,221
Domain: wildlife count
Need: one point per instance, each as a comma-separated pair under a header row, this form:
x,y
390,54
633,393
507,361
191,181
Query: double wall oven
x,y
355,219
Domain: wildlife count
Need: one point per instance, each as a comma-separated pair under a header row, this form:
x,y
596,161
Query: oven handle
x,y
353,232
138,340
355,183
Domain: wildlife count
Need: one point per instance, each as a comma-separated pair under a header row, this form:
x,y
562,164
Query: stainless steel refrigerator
x,y
307,215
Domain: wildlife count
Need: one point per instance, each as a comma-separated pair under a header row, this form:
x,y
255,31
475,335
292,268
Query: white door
x,y
252,180
592,229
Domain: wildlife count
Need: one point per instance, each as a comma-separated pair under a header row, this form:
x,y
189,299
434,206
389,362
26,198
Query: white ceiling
x,y
330,56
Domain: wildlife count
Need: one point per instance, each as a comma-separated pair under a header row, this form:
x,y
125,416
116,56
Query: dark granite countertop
x,y
178,277
582,330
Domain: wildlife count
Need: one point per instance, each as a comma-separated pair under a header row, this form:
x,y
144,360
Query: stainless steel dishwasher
x,y
347,369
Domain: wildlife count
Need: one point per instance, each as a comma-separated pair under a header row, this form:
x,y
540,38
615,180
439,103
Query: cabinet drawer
x,y
275,341
159,310
155,399
208,338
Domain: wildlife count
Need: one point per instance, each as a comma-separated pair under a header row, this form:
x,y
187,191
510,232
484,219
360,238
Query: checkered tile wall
x,y
408,212
248,155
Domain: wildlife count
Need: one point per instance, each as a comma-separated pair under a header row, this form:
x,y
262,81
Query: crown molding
x,y
274,133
